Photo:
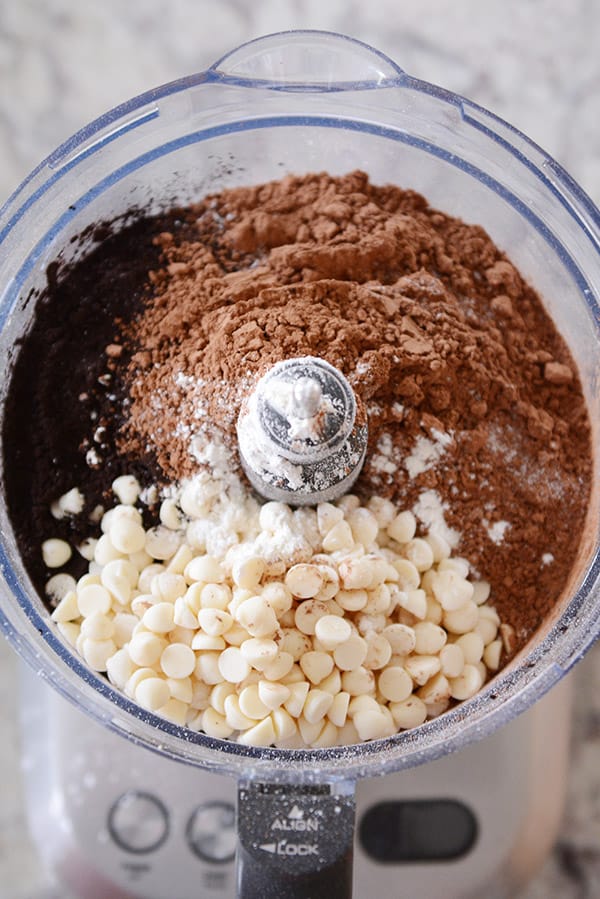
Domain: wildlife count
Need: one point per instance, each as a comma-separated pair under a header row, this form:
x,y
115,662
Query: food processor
x,y
123,803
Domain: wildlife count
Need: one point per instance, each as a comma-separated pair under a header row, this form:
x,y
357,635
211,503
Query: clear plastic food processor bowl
x,y
302,102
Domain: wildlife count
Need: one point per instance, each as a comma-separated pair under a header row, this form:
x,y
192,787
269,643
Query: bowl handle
x,y
295,840
308,59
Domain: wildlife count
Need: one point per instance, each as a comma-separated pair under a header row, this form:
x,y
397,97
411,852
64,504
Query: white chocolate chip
x,y
162,543
273,695
257,617
207,643
127,536
332,683
248,572
372,725
97,653
262,734
358,681
205,569
403,527
57,587
401,638
208,670
410,713
160,617
451,590
439,547
507,633
215,622
234,715
466,684
177,564
304,581
356,574
178,660
429,637
56,553
351,654
127,489
251,704
379,652
364,526
214,596
492,654
436,691
219,694
279,668
421,668
283,724
215,725
408,576
338,710
152,693
414,601
259,652
472,646
298,694
338,538
462,620
70,503
67,609
481,592
278,597
105,551
316,666
348,503
332,631
419,552
328,516
98,627
452,660
232,665
395,684
145,648
316,705
93,598
119,668
352,600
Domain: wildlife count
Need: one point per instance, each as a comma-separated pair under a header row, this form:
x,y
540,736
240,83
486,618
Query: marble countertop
x,y
533,62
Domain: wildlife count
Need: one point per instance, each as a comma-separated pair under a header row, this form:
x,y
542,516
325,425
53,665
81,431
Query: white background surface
x,y
534,62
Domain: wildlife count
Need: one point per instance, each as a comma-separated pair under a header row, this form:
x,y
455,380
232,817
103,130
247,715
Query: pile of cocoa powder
x,y
471,395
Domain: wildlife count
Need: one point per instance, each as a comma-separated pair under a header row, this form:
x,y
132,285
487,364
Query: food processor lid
x,y
302,78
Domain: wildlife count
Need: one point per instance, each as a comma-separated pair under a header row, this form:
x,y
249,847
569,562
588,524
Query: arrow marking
x,y
269,847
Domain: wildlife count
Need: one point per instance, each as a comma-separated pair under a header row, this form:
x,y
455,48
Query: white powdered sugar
x,y
260,454
429,509
382,460
426,453
496,531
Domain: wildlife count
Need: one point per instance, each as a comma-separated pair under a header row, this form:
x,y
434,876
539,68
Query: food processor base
x,y
112,820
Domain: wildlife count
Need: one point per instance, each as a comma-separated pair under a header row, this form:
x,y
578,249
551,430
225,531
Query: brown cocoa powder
x,y
435,329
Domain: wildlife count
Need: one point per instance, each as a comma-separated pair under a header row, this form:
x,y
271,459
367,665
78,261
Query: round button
x,y
211,832
138,822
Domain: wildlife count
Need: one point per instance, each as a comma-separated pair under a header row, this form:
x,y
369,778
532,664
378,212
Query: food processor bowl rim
x,y
387,753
